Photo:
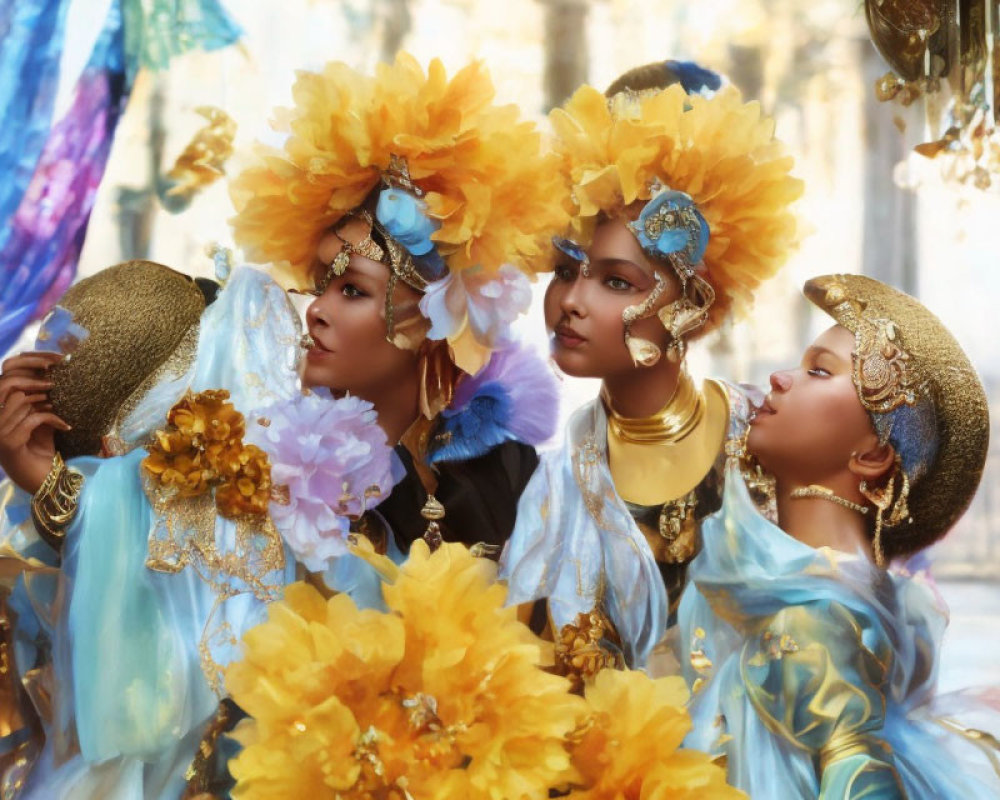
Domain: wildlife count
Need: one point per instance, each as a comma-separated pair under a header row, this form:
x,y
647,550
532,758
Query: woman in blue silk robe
x,y
813,667
124,618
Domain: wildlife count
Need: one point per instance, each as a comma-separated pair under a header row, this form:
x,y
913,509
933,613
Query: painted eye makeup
x,y
350,290
565,272
618,284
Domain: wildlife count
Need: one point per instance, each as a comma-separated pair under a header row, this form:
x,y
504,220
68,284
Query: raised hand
x,y
27,424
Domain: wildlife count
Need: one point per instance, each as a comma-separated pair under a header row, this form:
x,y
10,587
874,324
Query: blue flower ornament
x,y
405,219
671,223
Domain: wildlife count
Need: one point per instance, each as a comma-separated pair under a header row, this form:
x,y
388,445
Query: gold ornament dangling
x,y
432,512
881,498
885,499
644,353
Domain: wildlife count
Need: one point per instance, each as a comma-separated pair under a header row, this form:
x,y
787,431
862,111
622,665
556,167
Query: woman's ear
x,y
874,463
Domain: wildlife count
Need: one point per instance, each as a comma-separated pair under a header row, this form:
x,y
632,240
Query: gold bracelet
x,y
53,506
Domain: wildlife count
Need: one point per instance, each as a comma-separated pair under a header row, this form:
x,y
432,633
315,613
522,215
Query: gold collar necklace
x,y
681,415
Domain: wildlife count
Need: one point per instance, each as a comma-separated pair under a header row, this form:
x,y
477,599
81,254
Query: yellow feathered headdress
x,y
482,170
718,150
483,182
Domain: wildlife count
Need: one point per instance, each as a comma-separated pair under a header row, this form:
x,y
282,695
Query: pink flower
x,y
489,303
330,462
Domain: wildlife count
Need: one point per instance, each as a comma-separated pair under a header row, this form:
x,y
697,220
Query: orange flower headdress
x,y
705,169
465,187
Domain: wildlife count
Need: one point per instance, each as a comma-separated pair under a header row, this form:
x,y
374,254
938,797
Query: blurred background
x,y
872,203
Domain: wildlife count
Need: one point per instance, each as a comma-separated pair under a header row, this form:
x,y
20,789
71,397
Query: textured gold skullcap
x,y
922,360
137,314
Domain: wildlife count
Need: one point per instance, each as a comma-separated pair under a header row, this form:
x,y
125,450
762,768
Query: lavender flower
x,y
330,462
488,302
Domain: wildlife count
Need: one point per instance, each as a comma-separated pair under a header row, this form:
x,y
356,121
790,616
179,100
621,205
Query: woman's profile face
x,y
347,323
813,421
585,313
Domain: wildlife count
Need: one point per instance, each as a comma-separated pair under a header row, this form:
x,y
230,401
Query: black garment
x,y
479,496
709,500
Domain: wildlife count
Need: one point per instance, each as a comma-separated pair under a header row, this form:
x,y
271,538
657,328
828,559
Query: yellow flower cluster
x,y
203,449
444,696
718,150
497,197
629,747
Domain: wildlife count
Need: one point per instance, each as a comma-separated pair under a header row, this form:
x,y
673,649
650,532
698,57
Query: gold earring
x,y
881,498
885,499
670,317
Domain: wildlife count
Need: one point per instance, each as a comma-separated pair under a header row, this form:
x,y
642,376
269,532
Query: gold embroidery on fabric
x,y
586,459
184,536
700,662
221,635
773,648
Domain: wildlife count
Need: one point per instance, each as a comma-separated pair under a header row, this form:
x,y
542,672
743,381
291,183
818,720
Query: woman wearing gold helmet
x,y
680,210
814,666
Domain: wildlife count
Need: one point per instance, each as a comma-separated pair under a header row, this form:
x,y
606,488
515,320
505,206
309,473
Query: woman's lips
x,y
317,351
567,337
765,409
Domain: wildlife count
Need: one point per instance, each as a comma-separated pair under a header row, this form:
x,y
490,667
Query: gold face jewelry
x,y
644,353
367,247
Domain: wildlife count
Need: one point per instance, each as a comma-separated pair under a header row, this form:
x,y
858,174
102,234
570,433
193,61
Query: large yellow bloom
x,y
629,747
719,150
486,180
441,697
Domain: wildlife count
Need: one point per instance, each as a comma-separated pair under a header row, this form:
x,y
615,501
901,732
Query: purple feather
x,y
532,389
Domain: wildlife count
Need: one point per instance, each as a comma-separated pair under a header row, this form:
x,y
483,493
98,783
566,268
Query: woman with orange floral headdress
x,y
415,210
680,210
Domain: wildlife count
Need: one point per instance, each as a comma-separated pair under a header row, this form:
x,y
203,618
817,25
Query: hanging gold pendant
x,y
644,353
432,512
679,529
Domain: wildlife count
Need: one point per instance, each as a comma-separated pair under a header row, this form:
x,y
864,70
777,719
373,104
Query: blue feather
x,y
476,428
694,77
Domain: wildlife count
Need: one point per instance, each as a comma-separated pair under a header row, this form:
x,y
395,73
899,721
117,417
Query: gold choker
x,y
825,493
681,415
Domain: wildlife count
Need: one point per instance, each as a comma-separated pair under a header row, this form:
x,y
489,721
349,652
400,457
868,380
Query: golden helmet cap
x,y
906,360
137,316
